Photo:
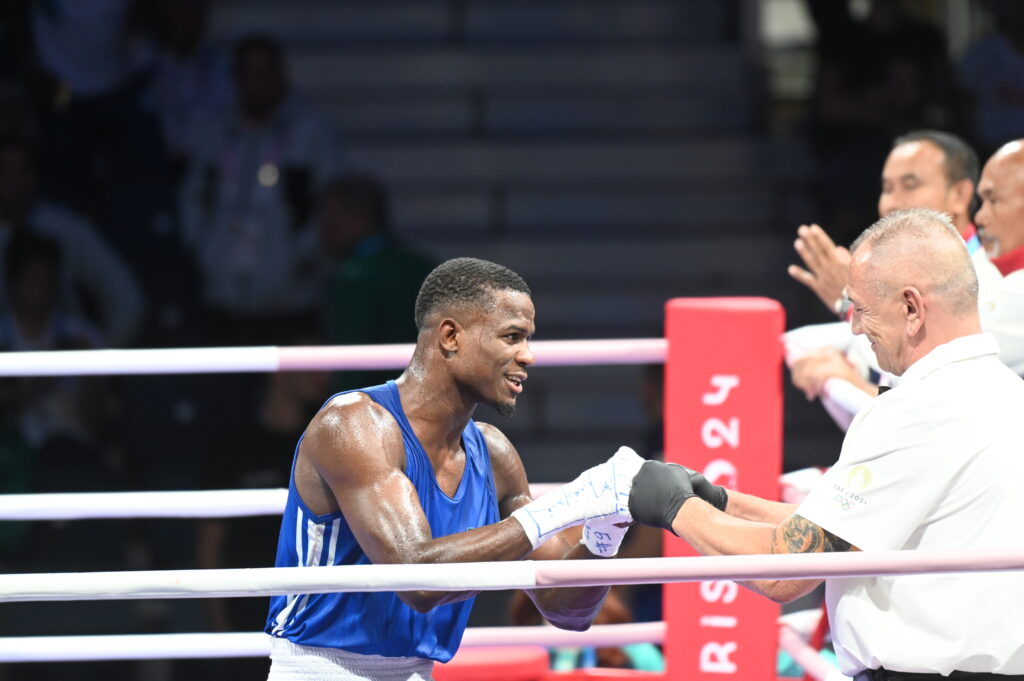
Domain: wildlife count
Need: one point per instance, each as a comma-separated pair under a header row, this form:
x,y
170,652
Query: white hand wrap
x,y
599,492
603,536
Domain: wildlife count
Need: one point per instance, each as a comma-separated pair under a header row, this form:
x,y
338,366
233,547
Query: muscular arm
x,y
352,458
735,503
566,608
714,533
749,507
664,495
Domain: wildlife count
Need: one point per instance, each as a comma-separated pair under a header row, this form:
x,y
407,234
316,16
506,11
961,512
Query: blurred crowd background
x,y
247,172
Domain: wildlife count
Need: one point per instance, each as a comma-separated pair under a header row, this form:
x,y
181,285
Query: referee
x,y
936,462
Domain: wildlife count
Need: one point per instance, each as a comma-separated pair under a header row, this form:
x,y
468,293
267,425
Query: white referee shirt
x,y
936,462
1001,304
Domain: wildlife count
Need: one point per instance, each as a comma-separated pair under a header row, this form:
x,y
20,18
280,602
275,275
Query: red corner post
x,y
723,416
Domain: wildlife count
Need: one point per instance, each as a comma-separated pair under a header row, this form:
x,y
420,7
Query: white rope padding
x,y
494,576
190,504
229,503
257,644
807,657
269,358
117,362
126,585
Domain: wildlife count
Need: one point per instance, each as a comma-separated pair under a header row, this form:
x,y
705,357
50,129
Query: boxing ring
x,y
724,393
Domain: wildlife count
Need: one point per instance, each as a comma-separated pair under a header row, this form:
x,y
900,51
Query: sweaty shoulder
x,y
509,475
352,423
497,443
349,438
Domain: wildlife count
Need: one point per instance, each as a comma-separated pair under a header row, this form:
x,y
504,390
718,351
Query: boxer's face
x,y
494,350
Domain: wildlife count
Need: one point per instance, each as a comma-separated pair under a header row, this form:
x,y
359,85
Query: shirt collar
x,y
956,350
1011,262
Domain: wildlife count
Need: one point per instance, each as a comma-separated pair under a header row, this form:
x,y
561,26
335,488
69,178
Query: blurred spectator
x,y
876,78
992,74
373,279
96,59
50,438
86,45
32,318
248,199
94,282
255,454
64,409
191,80
34,409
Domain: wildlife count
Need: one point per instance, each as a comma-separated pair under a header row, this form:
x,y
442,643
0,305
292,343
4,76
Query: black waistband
x,y
889,675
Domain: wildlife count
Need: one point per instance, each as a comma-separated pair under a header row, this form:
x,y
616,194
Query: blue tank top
x,y
379,623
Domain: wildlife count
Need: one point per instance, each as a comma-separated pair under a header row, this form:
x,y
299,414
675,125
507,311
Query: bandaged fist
x,y
601,492
603,536
658,492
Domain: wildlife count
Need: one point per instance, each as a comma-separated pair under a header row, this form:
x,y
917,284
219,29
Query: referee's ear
x,y
912,303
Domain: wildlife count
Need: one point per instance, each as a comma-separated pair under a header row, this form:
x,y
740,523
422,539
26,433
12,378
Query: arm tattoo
x,y
799,535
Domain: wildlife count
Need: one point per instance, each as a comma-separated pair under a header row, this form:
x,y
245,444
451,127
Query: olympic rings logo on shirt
x,y
843,502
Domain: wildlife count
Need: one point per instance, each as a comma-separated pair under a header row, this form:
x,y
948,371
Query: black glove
x,y
713,494
658,491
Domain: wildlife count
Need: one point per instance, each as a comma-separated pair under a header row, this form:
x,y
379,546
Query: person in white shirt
x,y
1001,227
935,462
926,169
248,197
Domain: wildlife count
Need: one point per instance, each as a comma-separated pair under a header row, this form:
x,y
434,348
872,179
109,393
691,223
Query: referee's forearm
x,y
749,507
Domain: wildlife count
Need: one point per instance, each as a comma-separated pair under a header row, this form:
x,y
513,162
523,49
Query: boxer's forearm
x,y
572,608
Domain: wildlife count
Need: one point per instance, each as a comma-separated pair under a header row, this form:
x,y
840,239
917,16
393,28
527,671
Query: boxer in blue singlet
x,y
400,473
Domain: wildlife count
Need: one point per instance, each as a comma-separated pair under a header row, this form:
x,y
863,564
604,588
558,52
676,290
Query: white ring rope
x,y
228,503
492,576
807,657
257,644
270,358
191,504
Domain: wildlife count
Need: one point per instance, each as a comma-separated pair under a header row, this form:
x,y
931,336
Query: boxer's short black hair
x,y
464,282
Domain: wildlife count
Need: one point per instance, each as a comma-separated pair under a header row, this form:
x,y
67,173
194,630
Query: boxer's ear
x,y
449,332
